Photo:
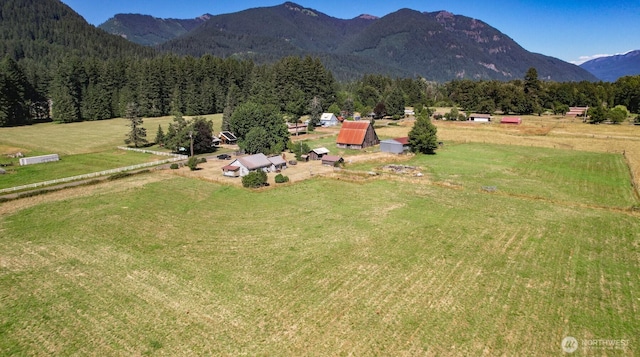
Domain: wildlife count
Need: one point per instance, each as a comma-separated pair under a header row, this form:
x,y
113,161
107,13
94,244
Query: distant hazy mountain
x,y
438,46
148,30
611,68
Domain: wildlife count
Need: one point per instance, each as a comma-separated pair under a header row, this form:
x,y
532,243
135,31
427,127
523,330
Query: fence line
x,y
102,173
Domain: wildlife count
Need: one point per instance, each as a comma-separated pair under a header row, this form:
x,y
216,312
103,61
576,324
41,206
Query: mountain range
x,y
437,46
147,30
611,68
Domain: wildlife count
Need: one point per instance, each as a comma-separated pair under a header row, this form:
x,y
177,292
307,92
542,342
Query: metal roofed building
x,y
357,135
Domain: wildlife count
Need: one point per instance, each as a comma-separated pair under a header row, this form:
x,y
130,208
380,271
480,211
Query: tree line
x,y
79,89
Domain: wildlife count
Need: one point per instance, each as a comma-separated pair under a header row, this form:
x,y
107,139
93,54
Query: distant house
x,y
577,111
409,112
297,128
277,162
228,137
251,163
511,120
328,119
479,118
318,153
396,146
357,135
332,160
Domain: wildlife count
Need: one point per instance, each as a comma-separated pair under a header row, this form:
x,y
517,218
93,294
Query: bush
x,y
174,166
255,179
281,178
192,163
203,160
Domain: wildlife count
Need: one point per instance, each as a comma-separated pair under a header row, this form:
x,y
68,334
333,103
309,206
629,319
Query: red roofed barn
x,y
357,135
511,120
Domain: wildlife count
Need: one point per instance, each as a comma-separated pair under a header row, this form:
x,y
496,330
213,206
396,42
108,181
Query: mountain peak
x,y
367,17
295,7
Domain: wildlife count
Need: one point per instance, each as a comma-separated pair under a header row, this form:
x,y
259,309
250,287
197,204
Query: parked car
x,y
224,157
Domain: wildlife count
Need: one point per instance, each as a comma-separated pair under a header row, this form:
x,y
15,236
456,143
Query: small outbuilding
x,y
396,145
511,120
357,135
228,137
332,160
479,118
328,119
318,153
231,171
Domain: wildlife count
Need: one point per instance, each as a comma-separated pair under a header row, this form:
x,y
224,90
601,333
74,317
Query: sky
x,y
573,31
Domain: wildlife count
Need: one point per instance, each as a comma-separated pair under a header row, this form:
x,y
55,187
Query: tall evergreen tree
x,y
423,136
315,108
160,136
14,109
137,135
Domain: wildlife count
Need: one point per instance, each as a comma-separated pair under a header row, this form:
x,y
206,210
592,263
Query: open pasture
x,y
413,270
73,165
79,138
160,264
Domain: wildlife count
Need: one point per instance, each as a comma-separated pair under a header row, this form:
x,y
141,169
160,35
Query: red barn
x,y
511,120
357,135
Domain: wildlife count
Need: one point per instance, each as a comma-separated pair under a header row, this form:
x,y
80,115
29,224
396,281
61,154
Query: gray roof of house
x,y
256,161
277,160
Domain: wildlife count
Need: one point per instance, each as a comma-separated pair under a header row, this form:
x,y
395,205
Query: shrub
x,y
280,178
192,163
203,160
254,179
174,166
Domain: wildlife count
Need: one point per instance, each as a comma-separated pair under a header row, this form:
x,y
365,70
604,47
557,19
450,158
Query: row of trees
x,y
383,95
90,89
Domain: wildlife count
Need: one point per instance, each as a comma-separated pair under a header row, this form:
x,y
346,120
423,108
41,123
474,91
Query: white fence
x,y
102,173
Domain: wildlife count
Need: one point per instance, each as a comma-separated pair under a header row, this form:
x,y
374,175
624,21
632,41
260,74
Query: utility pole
x,y
191,138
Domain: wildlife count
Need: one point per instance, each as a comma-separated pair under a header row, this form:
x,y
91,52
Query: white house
x,y
328,119
247,164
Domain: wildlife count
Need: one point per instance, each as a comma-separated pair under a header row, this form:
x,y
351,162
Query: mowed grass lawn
x,y
577,177
83,137
326,267
84,147
73,165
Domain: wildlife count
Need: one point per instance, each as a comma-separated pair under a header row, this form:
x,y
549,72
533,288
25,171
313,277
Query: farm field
x,y
84,147
72,165
159,264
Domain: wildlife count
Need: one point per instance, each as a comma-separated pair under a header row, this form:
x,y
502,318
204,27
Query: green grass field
x,y
84,147
83,137
176,266
72,165
577,177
